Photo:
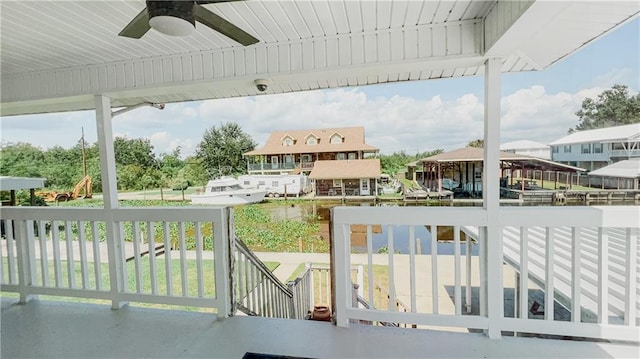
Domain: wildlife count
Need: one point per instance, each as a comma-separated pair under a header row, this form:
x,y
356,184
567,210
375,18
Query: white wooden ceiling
x,y
55,55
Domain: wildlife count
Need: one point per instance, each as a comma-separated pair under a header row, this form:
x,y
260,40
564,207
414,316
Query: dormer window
x,y
312,140
336,138
288,141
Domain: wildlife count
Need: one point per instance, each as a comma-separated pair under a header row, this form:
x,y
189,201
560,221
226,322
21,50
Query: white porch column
x,y
491,195
110,196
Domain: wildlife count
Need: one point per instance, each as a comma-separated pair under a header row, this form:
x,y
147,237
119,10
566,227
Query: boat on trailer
x,y
228,191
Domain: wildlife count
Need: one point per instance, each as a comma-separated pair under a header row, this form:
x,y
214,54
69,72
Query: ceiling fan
x,y
177,18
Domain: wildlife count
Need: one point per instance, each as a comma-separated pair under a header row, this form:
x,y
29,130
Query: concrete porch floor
x,y
43,329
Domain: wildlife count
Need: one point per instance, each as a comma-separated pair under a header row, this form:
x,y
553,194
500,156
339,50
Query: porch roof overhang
x,y
8,183
56,55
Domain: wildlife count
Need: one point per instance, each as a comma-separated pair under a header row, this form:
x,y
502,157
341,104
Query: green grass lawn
x,y
145,284
553,185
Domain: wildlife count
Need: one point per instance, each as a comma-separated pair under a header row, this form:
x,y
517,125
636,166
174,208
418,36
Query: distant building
x,y
295,151
527,148
594,149
623,174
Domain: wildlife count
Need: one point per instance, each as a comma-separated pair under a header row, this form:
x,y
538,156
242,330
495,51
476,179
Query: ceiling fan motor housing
x,y
174,9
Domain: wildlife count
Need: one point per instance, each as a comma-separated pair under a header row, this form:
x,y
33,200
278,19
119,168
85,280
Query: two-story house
x,y
593,149
295,151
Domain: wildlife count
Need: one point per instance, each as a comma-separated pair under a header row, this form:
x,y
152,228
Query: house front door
x,y
274,162
364,187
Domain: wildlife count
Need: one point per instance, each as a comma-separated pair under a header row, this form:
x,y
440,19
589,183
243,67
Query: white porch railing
x,y
581,257
67,252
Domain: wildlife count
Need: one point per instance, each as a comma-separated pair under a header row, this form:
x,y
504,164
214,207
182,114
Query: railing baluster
x,y
576,281
57,265
183,260
482,259
434,267
167,257
152,258
123,256
524,273
370,262
457,291
44,261
199,245
467,297
97,262
83,254
392,286
11,242
71,272
136,256
2,244
603,276
631,287
412,267
549,274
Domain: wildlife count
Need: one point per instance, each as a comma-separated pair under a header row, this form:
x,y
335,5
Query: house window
x,y
247,183
275,184
352,156
261,183
311,140
341,156
586,148
288,158
567,149
555,149
597,148
306,158
337,183
288,141
336,139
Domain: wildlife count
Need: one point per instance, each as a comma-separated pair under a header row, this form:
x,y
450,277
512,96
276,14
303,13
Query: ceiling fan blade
x,y
222,26
205,2
138,26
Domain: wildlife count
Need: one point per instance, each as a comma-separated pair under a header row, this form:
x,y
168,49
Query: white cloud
x,y
391,123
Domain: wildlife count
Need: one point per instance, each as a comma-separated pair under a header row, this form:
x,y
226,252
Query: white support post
x,y
110,197
223,230
491,195
26,263
341,271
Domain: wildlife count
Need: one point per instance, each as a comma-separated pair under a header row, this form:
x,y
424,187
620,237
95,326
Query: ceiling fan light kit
x,y
174,18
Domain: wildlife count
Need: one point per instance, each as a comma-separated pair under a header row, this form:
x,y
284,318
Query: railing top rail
x,y
151,214
546,216
410,215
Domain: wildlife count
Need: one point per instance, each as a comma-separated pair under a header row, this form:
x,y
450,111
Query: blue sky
x,y
445,114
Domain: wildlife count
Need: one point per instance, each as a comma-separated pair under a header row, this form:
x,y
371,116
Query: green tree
x,y
222,147
613,107
397,161
21,160
134,151
479,143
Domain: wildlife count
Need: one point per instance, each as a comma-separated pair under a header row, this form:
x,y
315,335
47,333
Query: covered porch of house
x,y
72,65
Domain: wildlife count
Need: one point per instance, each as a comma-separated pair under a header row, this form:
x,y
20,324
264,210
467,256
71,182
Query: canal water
x,y
321,212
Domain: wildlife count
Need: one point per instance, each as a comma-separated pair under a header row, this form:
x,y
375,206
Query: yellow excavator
x,y
85,184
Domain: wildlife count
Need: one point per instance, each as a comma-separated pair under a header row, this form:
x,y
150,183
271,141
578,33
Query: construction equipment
x,y
52,196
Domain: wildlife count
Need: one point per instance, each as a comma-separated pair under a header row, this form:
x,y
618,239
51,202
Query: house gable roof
x,y
346,169
474,154
623,169
609,134
353,141
523,145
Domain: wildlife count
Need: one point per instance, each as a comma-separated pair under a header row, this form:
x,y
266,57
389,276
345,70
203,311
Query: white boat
x,y
228,191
